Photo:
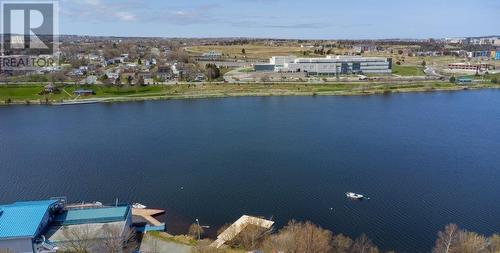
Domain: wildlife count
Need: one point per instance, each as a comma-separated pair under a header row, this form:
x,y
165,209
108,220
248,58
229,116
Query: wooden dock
x,y
232,231
148,215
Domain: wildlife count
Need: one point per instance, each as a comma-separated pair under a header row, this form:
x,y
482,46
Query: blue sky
x,y
308,19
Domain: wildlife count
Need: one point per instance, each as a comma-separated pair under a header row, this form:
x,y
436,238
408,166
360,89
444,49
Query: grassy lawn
x,y
21,94
407,70
175,239
246,70
251,51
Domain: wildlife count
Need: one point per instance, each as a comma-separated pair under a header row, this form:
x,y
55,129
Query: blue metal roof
x,y
93,215
22,219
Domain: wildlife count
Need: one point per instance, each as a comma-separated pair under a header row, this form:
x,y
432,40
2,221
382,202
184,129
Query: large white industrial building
x,y
333,65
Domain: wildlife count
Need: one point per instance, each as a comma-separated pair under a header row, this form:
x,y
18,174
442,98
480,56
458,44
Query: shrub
x,y
452,79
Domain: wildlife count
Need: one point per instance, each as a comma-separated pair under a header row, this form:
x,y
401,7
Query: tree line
x,y
306,237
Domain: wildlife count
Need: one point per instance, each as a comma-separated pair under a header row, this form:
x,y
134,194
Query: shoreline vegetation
x,y
29,93
306,236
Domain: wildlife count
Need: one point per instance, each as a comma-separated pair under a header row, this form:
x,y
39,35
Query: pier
x,y
232,231
148,215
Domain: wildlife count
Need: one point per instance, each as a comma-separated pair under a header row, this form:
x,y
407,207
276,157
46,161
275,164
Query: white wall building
x,y
333,65
279,61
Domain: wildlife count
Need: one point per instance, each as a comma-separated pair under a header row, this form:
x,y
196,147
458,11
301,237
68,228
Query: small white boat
x,y
353,195
138,206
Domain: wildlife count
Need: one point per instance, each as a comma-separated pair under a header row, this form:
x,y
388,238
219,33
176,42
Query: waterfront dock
x,y
148,215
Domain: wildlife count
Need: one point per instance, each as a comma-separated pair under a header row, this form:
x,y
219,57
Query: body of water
x,y
424,159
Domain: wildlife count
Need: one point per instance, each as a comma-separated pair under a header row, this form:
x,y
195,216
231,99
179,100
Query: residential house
x,y
164,73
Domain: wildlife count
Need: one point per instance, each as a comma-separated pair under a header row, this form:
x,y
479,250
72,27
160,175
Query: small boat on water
x,y
139,206
353,195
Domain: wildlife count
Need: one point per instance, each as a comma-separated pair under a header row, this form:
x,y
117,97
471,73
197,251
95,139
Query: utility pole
x,y
199,228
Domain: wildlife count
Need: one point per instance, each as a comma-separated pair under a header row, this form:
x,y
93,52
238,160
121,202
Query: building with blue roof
x,y
21,223
98,224
94,215
51,225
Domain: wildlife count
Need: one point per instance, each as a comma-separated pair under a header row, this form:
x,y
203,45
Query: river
x,y
424,159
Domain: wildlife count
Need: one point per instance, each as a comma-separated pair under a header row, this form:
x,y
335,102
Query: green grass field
x,y
29,93
407,70
251,50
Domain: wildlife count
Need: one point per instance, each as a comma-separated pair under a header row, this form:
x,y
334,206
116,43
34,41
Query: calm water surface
x,y
424,159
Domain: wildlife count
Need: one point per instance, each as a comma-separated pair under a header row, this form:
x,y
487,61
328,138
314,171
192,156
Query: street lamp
x,y
199,228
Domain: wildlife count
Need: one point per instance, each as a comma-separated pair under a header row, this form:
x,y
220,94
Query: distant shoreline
x,y
184,91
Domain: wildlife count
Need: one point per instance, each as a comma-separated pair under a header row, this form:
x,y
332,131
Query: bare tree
x,y
180,56
251,237
494,243
363,245
190,72
115,240
78,239
111,238
342,243
300,237
447,239
470,242
195,230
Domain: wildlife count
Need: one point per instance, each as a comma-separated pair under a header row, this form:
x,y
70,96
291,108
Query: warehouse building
x,y
264,67
23,223
332,65
280,61
49,226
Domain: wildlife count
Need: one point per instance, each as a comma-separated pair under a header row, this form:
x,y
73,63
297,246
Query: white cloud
x,y
125,16
99,10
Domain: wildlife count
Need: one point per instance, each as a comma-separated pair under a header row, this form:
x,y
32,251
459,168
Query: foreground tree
x,y
110,238
494,243
447,239
363,245
471,242
78,240
454,240
117,241
342,244
252,237
300,237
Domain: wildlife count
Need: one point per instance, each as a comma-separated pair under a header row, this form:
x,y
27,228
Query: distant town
x,y
103,69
